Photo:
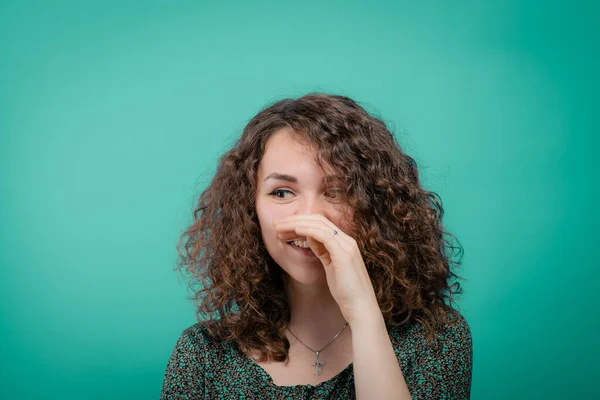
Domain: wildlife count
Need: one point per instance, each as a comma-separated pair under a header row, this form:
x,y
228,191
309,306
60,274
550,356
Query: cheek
x,y
267,213
346,223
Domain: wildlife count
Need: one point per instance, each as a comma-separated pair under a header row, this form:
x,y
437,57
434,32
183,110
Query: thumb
x,y
320,250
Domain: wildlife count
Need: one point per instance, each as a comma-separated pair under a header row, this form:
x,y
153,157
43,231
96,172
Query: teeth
x,y
300,243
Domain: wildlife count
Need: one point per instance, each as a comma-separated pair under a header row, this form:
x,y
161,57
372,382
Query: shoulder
x,y
455,333
190,351
457,328
438,368
196,336
456,325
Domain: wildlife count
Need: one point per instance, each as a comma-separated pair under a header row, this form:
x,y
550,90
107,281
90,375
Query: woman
x,y
320,267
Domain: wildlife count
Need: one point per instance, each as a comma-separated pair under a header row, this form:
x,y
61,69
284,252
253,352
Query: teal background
x,y
113,115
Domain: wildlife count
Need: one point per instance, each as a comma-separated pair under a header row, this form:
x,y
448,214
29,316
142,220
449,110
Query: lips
x,y
303,239
307,252
299,242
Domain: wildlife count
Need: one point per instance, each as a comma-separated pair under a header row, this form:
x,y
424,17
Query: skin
x,y
316,316
331,286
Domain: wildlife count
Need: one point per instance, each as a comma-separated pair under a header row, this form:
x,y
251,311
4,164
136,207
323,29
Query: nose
x,y
310,204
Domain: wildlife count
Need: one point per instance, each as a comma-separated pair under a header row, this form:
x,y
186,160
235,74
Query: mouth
x,y
299,242
301,246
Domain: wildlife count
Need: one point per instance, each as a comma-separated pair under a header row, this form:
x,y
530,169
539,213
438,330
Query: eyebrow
x,y
282,177
292,179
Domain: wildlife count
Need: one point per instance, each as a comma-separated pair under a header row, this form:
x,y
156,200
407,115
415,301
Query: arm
x,y
377,373
440,371
183,376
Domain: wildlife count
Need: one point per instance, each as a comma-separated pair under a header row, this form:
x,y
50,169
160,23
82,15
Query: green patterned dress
x,y
201,367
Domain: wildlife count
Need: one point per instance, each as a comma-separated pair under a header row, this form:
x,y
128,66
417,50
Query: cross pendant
x,y
317,364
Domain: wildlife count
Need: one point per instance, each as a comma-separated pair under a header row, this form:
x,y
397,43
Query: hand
x,y
346,274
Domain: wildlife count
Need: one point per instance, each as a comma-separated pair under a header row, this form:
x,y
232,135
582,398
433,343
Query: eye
x,y
275,193
335,193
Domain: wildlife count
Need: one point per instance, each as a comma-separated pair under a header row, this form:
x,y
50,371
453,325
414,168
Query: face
x,y
290,183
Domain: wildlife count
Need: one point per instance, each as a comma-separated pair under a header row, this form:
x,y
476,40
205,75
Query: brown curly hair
x,y
238,289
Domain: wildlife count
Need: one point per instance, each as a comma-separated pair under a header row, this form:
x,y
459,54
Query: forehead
x,y
286,142
287,152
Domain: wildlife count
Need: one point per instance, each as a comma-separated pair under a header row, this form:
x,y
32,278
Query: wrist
x,y
367,316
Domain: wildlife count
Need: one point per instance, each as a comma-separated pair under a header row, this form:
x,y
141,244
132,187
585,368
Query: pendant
x,y
317,364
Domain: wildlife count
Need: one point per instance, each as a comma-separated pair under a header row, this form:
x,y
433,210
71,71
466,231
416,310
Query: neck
x,y
315,315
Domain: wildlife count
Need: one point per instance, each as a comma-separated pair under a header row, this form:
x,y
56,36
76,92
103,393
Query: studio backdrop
x,y
113,115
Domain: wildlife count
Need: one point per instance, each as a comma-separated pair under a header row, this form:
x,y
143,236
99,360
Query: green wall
x,y
114,113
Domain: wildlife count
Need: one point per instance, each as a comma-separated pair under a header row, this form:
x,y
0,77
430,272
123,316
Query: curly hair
x,y
238,288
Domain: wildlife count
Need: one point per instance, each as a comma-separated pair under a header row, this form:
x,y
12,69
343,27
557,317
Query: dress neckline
x,y
264,376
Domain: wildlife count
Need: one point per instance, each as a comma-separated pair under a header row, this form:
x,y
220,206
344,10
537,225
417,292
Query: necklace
x,y
318,363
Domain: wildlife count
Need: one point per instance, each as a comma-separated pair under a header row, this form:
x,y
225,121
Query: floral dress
x,y
201,367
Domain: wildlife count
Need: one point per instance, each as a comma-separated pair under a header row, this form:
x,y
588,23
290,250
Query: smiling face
x,y
289,182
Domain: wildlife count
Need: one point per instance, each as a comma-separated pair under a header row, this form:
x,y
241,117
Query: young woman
x,y
320,267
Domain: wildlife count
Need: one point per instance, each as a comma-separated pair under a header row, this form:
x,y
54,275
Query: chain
x,y
318,351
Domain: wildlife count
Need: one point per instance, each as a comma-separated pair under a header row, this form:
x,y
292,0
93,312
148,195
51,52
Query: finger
x,y
287,230
288,226
333,247
291,231
310,217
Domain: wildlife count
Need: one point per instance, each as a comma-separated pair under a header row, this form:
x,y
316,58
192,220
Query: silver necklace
x,y
318,363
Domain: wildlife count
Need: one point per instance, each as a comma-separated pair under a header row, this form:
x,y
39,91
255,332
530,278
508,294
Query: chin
x,y
300,270
306,275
